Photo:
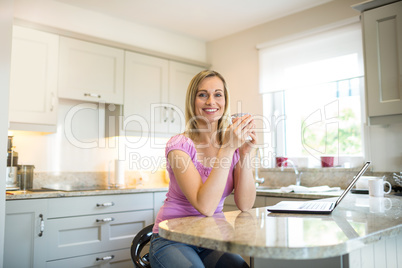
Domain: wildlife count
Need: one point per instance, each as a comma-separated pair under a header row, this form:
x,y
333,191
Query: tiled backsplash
x,y
98,179
274,177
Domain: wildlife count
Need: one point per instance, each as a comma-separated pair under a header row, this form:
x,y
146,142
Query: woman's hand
x,y
249,144
236,134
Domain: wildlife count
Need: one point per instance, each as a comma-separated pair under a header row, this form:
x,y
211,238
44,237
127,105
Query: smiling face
x,y
210,100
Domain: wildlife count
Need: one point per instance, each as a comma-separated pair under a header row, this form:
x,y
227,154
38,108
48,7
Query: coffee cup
x,y
376,187
281,161
379,204
327,161
233,116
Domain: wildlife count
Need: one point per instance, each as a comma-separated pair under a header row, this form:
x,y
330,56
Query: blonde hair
x,y
191,119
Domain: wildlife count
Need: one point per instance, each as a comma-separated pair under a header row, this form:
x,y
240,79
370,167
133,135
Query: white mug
x,y
376,187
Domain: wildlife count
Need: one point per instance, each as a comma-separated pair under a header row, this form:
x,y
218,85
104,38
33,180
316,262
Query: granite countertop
x,y
358,220
18,195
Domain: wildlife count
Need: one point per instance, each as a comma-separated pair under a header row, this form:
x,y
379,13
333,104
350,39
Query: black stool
x,y
139,241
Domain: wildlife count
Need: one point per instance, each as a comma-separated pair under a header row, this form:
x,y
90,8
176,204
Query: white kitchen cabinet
x,y
33,83
24,242
382,31
260,201
90,72
83,231
154,94
116,258
92,228
180,75
230,204
145,93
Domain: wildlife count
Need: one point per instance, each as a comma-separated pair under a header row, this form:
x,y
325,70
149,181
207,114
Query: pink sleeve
x,y
182,143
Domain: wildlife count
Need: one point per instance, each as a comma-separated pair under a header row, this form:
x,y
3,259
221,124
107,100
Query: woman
x,y
205,164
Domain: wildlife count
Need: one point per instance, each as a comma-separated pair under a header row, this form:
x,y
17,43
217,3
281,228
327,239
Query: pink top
x,y
176,204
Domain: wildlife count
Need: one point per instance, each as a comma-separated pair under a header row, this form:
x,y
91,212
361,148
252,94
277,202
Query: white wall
x,y
71,18
6,20
236,57
84,148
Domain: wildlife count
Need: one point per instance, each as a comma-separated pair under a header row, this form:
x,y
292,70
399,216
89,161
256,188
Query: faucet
x,y
258,158
298,174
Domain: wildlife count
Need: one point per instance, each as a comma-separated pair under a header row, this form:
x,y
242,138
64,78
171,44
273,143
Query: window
x,y
312,92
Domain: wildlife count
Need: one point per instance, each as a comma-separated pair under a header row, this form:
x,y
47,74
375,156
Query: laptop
x,y
315,207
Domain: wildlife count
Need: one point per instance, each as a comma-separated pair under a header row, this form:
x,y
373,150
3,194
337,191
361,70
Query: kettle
x,y
12,165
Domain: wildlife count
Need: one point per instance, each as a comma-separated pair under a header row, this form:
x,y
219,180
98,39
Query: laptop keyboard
x,y
315,205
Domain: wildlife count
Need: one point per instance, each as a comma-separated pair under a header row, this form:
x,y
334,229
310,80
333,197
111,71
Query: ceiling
x,y
205,20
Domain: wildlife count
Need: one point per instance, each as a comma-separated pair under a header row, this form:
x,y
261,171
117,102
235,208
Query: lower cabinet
x,y
24,238
260,201
116,258
90,231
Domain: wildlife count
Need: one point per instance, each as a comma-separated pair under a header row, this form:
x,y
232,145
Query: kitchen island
x,y
361,232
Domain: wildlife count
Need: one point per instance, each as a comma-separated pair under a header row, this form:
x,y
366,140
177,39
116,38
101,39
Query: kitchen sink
x,y
263,188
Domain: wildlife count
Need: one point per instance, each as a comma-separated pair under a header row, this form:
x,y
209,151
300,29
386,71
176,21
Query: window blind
x,y
326,56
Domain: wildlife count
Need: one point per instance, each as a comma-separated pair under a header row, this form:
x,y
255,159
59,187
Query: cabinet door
x,y
23,244
145,93
383,59
33,83
116,258
180,75
78,236
90,72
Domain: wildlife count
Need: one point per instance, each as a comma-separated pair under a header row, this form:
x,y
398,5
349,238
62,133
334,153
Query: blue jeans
x,y
166,253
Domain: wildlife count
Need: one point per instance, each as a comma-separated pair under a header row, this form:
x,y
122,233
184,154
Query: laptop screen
x,y
364,168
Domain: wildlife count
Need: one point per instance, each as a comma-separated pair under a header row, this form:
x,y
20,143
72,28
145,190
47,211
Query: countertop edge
x,y
300,253
19,195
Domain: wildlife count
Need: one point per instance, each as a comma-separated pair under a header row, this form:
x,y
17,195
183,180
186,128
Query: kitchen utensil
x,y
11,178
12,155
26,177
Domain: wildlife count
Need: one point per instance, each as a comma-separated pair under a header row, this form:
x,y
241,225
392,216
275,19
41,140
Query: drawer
x,y
117,258
78,236
77,206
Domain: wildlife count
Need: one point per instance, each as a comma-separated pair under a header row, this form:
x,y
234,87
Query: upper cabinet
x,y
382,31
145,93
154,94
90,72
180,75
33,82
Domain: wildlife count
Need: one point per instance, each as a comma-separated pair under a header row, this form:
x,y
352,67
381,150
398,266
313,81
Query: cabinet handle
x,y
105,220
166,115
42,225
94,95
107,204
106,258
52,102
172,114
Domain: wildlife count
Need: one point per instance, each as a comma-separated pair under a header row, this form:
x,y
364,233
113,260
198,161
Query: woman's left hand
x,y
249,144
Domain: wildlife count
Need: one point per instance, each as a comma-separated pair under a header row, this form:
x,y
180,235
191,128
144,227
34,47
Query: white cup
x,y
379,204
376,187
233,116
